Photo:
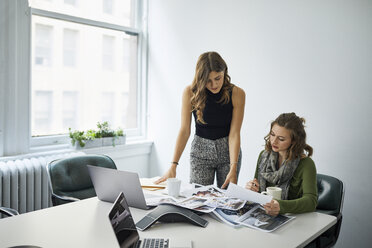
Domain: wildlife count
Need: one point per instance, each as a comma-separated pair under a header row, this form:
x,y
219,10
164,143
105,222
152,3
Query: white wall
x,y
134,157
310,57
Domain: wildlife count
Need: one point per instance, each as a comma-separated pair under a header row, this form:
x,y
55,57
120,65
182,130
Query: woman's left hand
x,y
230,178
272,208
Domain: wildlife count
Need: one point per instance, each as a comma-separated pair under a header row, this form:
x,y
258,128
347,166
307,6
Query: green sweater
x,y
303,191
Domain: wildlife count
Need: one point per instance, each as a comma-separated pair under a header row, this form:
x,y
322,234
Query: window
x,y
75,64
43,45
70,111
126,55
108,52
42,105
70,47
70,2
108,6
85,62
108,107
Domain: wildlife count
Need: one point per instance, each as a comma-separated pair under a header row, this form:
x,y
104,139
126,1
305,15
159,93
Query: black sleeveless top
x,y
217,117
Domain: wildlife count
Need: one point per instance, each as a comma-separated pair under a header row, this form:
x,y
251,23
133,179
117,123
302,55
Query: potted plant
x,y
104,136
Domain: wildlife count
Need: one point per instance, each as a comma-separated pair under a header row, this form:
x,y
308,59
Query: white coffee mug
x,y
275,192
173,186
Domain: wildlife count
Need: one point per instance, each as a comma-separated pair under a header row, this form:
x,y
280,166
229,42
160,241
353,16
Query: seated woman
x,y
284,164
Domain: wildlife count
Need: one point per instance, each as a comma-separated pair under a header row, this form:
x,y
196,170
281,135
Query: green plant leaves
x,y
91,134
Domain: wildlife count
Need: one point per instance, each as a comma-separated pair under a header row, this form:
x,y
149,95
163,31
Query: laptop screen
x,y
122,222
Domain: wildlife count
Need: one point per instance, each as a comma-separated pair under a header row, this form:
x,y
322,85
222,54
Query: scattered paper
x,y
203,199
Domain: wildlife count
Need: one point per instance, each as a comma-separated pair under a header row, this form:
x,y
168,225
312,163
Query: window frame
x,y
15,83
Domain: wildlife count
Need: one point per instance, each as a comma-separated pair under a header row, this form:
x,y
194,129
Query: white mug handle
x,y
264,193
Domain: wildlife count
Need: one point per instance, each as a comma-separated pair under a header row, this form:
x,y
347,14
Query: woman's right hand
x,y
253,185
170,173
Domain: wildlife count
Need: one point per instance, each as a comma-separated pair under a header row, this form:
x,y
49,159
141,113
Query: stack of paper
x,y
148,183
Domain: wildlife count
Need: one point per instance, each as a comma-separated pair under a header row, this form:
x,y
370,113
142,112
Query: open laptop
x,y
108,183
126,233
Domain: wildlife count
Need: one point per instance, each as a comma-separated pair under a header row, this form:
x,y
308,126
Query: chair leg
x,y
318,242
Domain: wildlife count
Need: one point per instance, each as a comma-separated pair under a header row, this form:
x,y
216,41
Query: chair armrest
x,y
8,211
339,216
66,198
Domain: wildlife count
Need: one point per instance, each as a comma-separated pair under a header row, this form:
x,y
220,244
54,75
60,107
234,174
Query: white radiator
x,y
24,182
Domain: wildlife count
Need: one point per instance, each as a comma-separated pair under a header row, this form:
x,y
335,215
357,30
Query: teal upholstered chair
x,y
69,178
8,211
330,201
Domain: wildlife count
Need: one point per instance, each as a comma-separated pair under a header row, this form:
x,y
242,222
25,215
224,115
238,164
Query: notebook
x,y
126,233
108,183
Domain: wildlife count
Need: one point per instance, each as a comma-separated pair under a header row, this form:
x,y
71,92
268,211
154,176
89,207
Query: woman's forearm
x,y
234,149
238,100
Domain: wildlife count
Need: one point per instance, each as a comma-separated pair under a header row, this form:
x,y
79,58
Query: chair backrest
x,y
69,177
330,195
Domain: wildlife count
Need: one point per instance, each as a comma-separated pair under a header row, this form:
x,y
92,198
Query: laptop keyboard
x,y
154,243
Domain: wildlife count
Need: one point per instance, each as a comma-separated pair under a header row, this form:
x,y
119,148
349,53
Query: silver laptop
x,y
108,183
126,233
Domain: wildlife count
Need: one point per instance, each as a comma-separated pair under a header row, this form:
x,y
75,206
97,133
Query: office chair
x,y
8,211
330,201
69,178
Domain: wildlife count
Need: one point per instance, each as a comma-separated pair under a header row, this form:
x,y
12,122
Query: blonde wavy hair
x,y
296,127
208,62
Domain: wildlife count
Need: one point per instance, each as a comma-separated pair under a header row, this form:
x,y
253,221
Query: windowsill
x,y
131,148
134,148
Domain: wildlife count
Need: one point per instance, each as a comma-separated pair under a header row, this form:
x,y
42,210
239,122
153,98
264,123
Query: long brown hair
x,y
296,127
208,62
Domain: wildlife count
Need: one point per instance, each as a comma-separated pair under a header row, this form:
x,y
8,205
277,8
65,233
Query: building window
x,y
108,6
70,43
70,110
70,2
108,52
126,55
43,114
43,45
108,107
126,13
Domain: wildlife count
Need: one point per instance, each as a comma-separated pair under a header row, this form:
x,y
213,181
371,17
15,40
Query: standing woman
x,y
286,163
218,108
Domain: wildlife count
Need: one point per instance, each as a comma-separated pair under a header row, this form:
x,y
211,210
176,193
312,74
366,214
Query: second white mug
x,y
275,192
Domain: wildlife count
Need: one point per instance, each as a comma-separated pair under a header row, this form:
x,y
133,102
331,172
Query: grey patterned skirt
x,y
209,158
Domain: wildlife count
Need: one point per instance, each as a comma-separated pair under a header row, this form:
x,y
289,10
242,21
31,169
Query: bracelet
x,y
234,163
176,163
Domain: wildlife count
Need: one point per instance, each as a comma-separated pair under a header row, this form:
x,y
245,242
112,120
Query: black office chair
x,y
8,211
69,178
330,201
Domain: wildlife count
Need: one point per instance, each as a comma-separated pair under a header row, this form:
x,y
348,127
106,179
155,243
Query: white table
x,y
85,224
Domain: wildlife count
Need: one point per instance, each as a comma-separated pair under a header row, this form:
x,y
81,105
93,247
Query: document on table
x,y
246,194
148,183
